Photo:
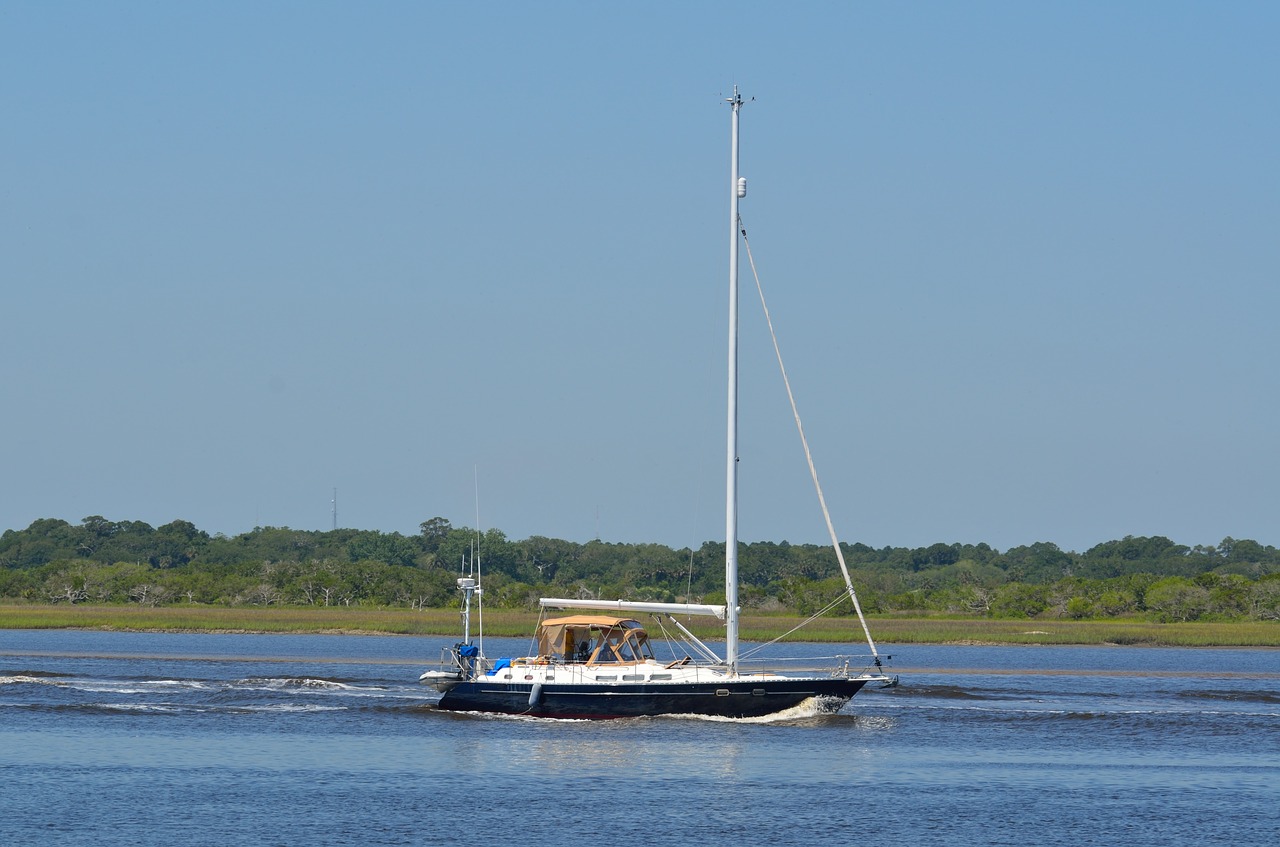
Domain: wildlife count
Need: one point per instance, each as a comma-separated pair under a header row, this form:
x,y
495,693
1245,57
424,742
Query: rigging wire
x,y
533,639
813,472
670,640
824,610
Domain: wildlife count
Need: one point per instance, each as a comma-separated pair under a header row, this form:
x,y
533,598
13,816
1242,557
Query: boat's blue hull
x,y
736,699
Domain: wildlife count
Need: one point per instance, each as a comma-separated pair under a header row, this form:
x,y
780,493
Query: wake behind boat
x,y
603,665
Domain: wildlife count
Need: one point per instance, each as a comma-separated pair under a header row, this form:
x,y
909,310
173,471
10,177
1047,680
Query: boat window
x,y
622,646
580,648
604,654
635,648
638,641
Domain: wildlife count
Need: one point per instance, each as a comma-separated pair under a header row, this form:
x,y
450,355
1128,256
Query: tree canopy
x,y
101,560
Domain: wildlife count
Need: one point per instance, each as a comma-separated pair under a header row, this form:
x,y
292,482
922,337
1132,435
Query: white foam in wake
x,y
811,708
299,682
30,680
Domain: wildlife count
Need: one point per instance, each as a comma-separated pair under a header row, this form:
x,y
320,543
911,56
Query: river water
x,y
163,739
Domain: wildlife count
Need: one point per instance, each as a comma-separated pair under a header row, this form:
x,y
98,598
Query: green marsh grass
x,y
446,622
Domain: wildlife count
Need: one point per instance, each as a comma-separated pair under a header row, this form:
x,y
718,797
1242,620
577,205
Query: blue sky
x,y
1023,259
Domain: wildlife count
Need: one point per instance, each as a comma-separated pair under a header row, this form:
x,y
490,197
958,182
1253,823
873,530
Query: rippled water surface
x,y
146,739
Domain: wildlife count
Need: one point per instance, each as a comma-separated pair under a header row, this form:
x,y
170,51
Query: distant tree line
x,y
103,561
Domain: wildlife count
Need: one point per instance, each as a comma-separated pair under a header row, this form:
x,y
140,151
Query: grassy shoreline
x,y
444,622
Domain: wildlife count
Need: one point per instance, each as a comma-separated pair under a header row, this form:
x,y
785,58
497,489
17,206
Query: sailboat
x,y
600,663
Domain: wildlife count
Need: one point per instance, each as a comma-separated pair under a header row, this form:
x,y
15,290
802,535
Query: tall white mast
x,y
731,473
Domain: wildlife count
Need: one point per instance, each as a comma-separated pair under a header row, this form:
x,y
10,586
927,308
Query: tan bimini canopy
x,y
594,639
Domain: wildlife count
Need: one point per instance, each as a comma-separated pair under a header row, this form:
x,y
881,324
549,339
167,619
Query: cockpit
x,y
593,640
